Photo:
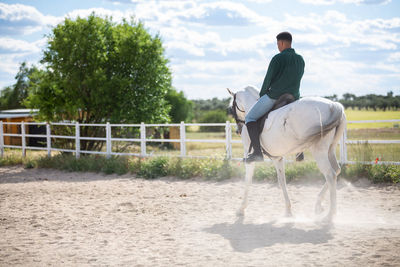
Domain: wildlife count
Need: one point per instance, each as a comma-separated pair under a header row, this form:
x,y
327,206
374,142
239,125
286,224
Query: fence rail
x,y
143,140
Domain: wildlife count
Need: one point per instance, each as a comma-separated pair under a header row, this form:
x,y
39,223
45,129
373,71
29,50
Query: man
x,y
283,76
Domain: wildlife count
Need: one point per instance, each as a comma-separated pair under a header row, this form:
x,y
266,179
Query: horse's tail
x,y
332,149
335,120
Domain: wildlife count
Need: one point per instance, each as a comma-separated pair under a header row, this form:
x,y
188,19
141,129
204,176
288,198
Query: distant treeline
x,y
204,105
370,101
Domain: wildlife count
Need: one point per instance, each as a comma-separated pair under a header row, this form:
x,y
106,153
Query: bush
x,y
153,168
210,169
29,164
10,160
375,173
384,173
355,171
213,116
292,171
265,172
185,168
302,170
116,165
225,171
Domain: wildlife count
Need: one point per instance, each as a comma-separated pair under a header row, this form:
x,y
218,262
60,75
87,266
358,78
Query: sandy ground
x,y
49,217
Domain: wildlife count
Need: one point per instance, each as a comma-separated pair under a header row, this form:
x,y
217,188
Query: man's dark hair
x,y
284,36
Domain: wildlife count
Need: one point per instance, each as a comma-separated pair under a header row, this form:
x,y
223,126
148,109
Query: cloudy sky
x,y
348,45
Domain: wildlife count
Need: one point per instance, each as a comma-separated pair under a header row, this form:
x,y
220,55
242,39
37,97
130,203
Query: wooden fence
x,y
143,140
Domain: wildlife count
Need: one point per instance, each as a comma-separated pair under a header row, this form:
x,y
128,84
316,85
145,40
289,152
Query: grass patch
x,y
153,168
207,169
12,159
293,171
370,152
375,173
361,115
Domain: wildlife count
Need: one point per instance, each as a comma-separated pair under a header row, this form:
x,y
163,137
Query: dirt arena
x,y
49,217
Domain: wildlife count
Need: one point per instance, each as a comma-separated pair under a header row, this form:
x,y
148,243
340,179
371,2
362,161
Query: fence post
x,y
228,135
1,139
48,139
142,139
108,140
77,140
343,147
345,144
23,139
183,139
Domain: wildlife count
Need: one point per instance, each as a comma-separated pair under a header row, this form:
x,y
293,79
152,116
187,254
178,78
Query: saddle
x,y
283,100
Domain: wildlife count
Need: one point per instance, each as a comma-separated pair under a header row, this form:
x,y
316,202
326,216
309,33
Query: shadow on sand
x,y
247,237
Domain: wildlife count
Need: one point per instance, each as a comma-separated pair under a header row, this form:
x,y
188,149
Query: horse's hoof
x,y
318,210
240,213
327,219
288,214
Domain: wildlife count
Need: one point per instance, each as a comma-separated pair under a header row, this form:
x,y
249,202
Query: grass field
x,y
361,115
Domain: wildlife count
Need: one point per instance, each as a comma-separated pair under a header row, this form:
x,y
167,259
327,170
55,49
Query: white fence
x,y
108,139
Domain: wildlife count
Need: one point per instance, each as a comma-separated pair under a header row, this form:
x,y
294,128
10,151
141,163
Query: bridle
x,y
234,112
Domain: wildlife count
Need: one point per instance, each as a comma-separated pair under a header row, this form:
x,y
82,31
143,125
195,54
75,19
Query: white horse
x,y
312,123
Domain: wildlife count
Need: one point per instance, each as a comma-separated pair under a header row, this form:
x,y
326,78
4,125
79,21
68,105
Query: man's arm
x,y
268,77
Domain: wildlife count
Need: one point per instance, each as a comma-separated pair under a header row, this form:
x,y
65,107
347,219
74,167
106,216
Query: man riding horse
x,y
283,77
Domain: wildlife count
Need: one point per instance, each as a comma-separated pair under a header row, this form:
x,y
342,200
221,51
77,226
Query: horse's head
x,y
238,108
241,104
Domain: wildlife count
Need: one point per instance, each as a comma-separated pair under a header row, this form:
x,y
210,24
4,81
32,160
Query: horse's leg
x,y
280,171
333,160
336,167
249,171
248,180
318,206
321,157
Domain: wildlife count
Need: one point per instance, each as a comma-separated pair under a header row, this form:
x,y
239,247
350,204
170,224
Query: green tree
x,y
6,98
203,105
332,97
213,116
181,108
12,97
99,71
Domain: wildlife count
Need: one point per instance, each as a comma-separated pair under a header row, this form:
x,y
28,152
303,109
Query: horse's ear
x,y
229,91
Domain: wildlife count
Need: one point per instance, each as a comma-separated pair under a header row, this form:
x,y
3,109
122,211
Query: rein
x,y
234,113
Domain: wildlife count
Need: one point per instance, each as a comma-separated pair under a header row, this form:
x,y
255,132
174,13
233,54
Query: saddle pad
x,y
282,101
278,114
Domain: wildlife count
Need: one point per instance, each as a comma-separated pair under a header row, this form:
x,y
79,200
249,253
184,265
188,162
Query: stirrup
x,y
254,157
300,156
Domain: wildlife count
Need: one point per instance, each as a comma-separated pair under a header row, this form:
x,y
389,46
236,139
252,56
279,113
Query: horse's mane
x,y
252,90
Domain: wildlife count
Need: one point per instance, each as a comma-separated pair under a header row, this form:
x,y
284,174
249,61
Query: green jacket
x,y
284,74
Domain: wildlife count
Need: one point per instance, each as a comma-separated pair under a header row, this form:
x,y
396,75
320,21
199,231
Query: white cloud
x,y
13,52
194,76
394,57
260,1
21,19
333,29
9,63
9,45
332,2
115,14
205,59
184,12
190,41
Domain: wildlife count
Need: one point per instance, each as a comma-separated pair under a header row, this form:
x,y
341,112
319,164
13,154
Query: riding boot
x,y
300,156
252,129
